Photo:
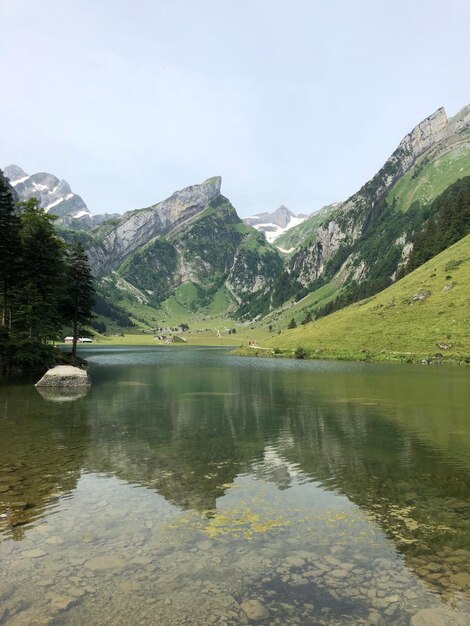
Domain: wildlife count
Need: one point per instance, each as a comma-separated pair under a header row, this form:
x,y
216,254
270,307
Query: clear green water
x,y
186,482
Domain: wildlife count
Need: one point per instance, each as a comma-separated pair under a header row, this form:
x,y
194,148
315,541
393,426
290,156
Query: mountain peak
x,y
215,181
15,174
274,224
54,195
136,228
428,132
284,214
200,195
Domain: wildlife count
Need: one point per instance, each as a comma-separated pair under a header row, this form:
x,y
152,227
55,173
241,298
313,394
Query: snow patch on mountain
x,y
51,192
275,224
54,196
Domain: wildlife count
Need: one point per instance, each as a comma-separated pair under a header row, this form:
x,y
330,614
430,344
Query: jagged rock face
x,y
137,228
254,270
55,196
309,262
275,224
212,249
351,219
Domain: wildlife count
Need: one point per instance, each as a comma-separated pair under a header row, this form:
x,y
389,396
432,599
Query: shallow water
x,y
188,483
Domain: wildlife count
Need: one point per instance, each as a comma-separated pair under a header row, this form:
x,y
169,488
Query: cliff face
x,y
136,228
430,139
195,237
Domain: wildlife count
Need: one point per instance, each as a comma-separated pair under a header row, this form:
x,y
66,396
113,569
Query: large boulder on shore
x,y
64,376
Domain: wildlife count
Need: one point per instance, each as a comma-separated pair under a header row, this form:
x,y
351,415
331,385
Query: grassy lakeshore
x,y
424,314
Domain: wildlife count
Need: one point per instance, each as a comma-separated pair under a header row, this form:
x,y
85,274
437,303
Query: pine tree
x,y
78,302
9,250
39,315
292,324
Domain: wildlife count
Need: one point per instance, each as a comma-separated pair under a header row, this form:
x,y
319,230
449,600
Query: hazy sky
x,y
296,102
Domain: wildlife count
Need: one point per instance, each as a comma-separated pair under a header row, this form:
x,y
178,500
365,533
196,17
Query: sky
x,y
292,102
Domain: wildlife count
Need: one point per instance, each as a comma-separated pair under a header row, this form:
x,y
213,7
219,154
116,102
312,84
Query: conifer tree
x,y
78,302
292,324
39,314
9,250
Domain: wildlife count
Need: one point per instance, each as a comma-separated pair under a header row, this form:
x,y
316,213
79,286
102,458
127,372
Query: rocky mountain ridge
x,y
55,196
134,229
193,240
351,219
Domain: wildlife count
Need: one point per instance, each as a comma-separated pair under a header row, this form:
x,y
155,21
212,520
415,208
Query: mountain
x,y
275,224
55,197
193,244
293,237
137,228
425,313
194,250
367,238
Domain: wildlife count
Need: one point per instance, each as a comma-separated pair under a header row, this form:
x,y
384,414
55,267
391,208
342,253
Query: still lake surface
x,y
188,486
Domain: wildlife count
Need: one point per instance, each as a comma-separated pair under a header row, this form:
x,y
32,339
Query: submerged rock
x,y
439,617
106,562
254,610
64,376
63,394
34,553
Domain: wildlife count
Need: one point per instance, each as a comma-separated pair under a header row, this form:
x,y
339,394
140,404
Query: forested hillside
x,y
44,285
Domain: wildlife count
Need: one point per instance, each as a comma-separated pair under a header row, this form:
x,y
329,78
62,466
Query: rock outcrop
x,y
64,376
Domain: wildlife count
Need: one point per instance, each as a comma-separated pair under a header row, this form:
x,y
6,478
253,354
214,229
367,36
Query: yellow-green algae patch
x,y
236,522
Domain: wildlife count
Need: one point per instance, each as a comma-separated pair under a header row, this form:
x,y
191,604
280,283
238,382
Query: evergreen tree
x,y
78,301
9,250
39,315
449,222
292,324
42,287
308,318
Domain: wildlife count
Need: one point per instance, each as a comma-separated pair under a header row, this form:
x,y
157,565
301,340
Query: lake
x,y
188,486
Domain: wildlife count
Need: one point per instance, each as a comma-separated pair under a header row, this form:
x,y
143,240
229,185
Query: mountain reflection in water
x,y
221,439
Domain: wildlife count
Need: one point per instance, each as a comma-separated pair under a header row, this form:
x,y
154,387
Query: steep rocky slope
x,y
195,237
382,213
119,238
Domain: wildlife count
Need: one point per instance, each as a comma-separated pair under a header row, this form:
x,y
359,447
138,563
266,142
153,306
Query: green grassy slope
x,y
430,176
406,321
